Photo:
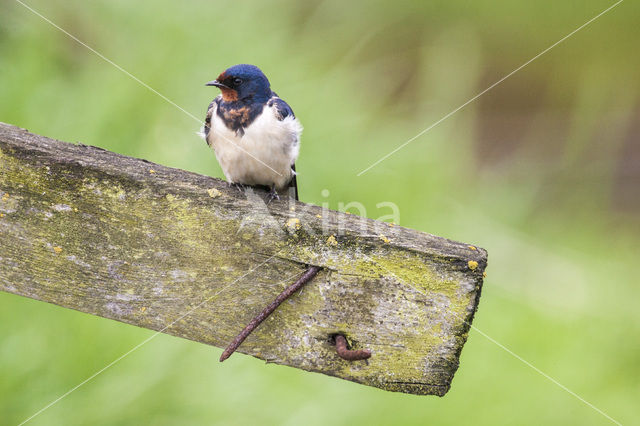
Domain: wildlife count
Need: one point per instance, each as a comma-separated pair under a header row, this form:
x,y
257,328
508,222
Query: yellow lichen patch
x,y
319,216
214,193
472,247
332,241
5,197
391,224
385,239
437,328
57,249
143,309
472,265
293,224
484,274
151,171
1,214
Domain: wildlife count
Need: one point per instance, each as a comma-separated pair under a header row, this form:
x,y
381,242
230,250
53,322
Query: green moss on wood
x,y
97,232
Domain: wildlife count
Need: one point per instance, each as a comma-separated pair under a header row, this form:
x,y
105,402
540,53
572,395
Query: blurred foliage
x,y
543,171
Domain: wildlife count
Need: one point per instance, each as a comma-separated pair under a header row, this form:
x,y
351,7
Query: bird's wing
x,y
282,110
207,121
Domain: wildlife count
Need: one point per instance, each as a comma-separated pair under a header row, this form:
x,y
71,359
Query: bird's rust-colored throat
x,y
229,95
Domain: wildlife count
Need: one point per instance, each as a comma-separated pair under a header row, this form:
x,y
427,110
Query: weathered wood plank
x,y
170,250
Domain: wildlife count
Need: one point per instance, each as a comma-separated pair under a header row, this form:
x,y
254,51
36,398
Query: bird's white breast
x,y
263,155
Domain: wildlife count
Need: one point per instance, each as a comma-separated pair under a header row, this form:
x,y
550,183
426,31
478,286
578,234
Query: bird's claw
x,y
238,186
273,195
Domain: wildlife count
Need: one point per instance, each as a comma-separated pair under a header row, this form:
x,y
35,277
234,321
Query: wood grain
x,y
169,250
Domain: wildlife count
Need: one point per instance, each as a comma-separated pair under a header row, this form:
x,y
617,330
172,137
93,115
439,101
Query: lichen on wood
x,y
170,250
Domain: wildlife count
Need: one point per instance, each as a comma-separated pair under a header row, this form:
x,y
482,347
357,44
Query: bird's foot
x,y
238,186
273,194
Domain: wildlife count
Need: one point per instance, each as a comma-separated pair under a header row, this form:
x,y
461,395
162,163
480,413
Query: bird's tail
x,y
293,185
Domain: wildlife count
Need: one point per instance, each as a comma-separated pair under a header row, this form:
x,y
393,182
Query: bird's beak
x,y
217,84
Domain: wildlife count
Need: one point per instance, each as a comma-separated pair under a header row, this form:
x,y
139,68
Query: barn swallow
x,y
253,132
256,138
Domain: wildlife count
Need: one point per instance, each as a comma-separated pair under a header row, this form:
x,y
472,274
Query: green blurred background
x,y
543,171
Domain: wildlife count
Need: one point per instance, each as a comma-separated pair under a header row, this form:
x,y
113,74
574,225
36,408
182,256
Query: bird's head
x,y
243,82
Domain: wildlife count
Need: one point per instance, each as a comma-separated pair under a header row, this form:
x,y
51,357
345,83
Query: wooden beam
x,y
169,250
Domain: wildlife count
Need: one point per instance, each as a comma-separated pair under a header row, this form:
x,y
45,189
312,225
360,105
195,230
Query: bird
x,y
254,133
256,138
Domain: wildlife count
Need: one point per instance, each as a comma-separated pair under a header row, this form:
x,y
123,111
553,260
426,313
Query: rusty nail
x,y
255,322
349,355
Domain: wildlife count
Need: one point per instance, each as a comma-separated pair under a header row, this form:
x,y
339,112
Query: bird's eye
x,y
237,81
